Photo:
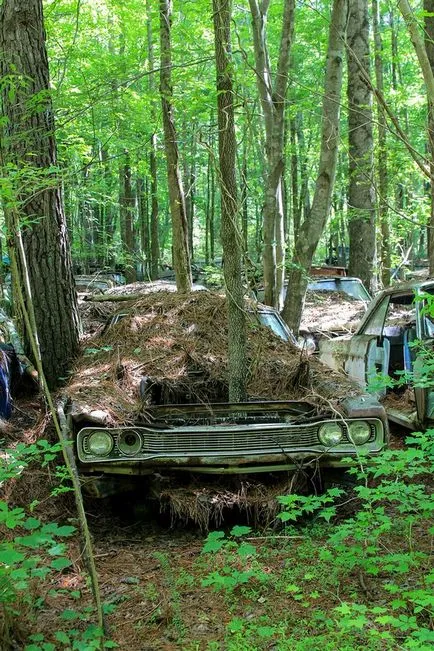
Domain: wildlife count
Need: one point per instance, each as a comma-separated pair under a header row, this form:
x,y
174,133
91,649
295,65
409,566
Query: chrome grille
x,y
224,441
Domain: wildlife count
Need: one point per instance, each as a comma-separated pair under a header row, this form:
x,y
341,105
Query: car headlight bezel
x,y
354,437
330,434
124,447
102,450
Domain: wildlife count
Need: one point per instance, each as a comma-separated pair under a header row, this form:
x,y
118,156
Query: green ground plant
x,y
31,552
361,582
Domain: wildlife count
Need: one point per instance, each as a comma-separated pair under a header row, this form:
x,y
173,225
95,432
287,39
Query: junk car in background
x,y
392,352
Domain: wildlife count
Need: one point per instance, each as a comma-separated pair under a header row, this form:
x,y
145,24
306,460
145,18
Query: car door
x,y
419,355
369,350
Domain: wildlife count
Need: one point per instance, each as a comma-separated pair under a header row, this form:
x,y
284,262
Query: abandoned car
x,y
150,395
333,306
390,352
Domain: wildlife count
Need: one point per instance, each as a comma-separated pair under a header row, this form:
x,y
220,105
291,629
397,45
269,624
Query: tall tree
x,y
29,157
126,216
313,226
428,6
361,209
273,100
230,213
382,170
181,256
154,235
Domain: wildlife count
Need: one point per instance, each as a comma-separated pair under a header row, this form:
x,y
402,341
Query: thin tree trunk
x,y
361,209
304,205
127,219
294,182
154,259
231,238
143,215
428,6
313,227
181,256
190,181
273,98
383,181
155,241
244,194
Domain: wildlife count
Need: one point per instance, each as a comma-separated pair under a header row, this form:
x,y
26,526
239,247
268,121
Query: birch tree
x,y
181,256
272,94
312,227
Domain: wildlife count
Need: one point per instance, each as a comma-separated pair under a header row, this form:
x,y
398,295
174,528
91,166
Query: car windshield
x,y
269,319
352,287
273,322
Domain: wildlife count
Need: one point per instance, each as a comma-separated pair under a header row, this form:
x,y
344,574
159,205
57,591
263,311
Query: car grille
x,y
224,441
233,441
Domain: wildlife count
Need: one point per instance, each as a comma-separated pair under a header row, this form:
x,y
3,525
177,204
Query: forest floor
x,y
162,590
166,585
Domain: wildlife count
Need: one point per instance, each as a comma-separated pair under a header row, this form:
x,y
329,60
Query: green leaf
x,y
11,556
245,549
61,636
65,530
56,550
60,563
31,523
239,531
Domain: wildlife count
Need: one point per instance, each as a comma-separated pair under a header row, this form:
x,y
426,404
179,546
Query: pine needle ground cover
x,y
179,342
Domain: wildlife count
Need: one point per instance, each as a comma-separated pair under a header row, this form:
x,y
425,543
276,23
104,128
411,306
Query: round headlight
x,y
129,442
330,434
100,443
359,432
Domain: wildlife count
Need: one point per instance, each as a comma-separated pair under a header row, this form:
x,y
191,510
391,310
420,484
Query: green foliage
x,y
236,564
380,544
34,552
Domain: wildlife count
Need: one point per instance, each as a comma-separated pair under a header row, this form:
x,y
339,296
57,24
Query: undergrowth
x,y
34,554
364,582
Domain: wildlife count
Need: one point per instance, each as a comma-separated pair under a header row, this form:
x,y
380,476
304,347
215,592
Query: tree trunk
x,y
190,181
295,212
181,256
155,238
244,195
127,220
361,211
383,181
143,215
273,98
428,6
230,234
313,227
109,214
154,247
29,146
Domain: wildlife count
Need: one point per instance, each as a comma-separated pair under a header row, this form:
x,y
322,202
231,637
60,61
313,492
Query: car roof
x,y
409,286
341,279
